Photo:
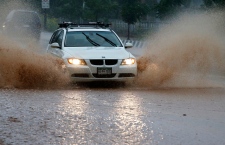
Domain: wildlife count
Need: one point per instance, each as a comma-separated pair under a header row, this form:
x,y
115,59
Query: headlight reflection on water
x,y
116,119
75,103
129,116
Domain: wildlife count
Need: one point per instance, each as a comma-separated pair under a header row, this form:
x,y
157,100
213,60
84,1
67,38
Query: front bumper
x,y
88,73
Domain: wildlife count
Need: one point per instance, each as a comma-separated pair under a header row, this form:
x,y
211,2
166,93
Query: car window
x,y
92,38
54,37
60,38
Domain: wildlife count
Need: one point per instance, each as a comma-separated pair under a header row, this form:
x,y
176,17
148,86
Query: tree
x,y
63,9
152,7
167,8
133,11
77,10
100,9
214,3
70,10
208,3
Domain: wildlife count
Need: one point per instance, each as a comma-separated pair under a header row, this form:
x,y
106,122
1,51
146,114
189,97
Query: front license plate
x,y
104,70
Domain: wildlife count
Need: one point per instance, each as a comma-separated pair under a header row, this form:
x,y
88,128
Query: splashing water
x,y
23,68
189,52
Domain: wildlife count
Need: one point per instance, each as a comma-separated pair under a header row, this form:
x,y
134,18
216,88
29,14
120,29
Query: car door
x,y
57,37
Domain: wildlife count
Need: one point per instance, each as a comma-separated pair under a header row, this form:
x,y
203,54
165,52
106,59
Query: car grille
x,y
96,62
102,61
111,61
104,76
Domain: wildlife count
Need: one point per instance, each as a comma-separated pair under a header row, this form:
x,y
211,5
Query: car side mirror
x,y
55,45
128,45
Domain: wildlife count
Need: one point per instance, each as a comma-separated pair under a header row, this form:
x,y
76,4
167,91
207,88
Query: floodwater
x,y
160,108
112,116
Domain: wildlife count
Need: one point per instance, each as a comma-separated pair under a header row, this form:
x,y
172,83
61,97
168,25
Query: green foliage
x,y
66,9
214,3
208,3
166,8
133,10
130,11
152,7
100,9
52,24
219,3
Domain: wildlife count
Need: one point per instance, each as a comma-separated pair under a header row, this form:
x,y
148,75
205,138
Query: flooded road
x,y
112,116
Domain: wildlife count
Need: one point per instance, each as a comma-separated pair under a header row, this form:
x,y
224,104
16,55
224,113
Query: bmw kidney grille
x,y
103,61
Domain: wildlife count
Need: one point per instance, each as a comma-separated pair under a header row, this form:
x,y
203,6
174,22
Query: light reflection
x,y
70,119
129,117
74,103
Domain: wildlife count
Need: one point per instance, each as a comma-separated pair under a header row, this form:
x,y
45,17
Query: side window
x,y
60,38
55,36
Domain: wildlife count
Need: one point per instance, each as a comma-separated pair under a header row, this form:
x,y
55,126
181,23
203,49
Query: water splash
x,y
189,52
24,68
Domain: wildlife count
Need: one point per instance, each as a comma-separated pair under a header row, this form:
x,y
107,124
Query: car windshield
x,y
92,38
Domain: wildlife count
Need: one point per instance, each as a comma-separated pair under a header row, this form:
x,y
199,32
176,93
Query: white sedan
x,y
92,53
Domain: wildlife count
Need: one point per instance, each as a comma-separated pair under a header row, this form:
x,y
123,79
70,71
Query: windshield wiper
x,y
107,40
91,41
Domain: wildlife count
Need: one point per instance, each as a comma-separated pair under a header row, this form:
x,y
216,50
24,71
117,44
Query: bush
x,y
52,24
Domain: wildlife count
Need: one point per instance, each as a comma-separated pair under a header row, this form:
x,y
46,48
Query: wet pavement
x,y
112,116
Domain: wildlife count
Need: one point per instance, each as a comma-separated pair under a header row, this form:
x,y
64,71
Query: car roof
x,y
10,15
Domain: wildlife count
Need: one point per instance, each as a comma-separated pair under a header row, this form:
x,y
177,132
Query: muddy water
x,y
188,52
22,67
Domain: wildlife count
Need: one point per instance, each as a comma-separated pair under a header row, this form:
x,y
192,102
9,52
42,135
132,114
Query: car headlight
x,y
128,61
76,61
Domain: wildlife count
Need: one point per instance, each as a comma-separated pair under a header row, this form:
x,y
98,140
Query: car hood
x,y
97,52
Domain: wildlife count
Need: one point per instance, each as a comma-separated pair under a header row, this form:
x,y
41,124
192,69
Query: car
x,y
92,52
22,24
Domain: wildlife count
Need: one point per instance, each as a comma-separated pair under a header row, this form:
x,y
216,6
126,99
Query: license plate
x,y
104,70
